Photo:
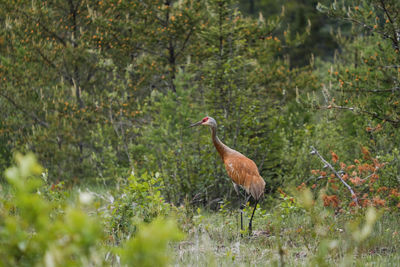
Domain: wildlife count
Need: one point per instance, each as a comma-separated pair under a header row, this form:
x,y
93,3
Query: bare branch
x,y
29,114
394,37
389,90
353,195
392,66
360,111
369,27
185,42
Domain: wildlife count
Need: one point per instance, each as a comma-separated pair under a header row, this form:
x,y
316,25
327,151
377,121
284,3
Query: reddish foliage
x,y
342,165
352,204
335,157
313,186
374,177
334,187
362,177
331,201
283,193
377,164
362,168
381,189
301,187
365,152
375,129
378,201
356,180
350,167
365,203
394,193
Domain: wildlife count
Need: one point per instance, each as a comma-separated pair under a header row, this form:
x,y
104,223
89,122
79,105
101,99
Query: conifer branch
x,y
29,114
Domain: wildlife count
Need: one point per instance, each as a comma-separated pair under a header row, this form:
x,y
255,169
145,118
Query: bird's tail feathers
x,y
257,189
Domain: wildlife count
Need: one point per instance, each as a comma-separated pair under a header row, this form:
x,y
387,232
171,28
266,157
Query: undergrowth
x,y
44,224
293,235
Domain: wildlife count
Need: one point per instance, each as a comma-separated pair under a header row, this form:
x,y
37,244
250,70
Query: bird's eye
x,y
205,119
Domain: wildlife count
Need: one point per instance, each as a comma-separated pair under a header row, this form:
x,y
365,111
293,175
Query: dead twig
x,y
327,164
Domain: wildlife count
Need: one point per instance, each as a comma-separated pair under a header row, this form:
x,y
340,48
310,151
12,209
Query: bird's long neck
x,y
221,147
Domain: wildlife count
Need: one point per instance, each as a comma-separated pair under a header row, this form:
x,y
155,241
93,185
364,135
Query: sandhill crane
x,y
242,170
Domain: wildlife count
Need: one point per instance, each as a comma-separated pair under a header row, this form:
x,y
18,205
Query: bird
x,y
242,170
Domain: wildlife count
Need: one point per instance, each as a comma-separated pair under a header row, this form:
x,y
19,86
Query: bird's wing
x,y
242,170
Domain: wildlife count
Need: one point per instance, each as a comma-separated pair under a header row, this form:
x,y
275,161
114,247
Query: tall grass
x,y
214,240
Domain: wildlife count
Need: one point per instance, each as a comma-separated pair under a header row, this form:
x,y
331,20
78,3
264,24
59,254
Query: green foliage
x,y
306,28
139,201
360,89
29,235
98,90
355,231
365,75
149,247
97,70
43,225
105,90
125,79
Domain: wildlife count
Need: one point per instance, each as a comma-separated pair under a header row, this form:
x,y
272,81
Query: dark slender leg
x,y
237,189
246,198
241,221
241,207
251,219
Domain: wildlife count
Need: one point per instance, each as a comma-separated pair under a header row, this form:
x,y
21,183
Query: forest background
x,y
101,91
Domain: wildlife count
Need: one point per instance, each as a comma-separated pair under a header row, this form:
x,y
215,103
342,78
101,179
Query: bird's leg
x,y
246,199
237,189
241,221
242,206
251,219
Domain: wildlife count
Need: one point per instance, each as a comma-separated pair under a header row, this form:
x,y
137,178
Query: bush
x,y
30,234
39,225
139,201
149,247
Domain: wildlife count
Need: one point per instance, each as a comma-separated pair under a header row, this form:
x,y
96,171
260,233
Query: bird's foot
x,y
250,230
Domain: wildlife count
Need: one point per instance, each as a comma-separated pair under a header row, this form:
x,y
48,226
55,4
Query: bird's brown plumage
x,y
243,172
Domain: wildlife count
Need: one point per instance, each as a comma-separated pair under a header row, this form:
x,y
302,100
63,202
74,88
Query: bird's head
x,y
208,121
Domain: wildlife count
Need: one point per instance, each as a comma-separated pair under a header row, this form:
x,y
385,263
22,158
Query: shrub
x,y
140,200
149,247
30,234
361,182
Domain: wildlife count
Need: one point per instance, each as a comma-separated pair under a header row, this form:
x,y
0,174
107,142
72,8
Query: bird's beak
x,y
195,124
